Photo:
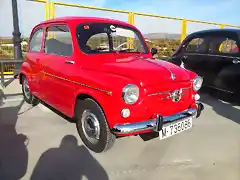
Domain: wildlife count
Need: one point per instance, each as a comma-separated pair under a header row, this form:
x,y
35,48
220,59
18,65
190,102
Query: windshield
x,y
95,38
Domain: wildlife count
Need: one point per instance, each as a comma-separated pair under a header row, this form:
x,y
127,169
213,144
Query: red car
x,y
101,73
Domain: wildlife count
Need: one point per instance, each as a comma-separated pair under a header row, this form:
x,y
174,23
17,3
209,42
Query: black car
x,y
214,55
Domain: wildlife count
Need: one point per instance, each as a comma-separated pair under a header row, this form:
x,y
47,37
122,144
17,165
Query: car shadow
x,y
2,97
8,81
70,120
222,106
68,161
13,150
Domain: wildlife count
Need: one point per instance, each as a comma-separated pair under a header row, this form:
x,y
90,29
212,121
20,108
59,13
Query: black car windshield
x,y
99,38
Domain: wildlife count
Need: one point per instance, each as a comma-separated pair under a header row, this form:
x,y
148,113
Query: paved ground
x,y
36,141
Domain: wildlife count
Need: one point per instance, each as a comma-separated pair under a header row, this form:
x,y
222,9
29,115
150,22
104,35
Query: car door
x,y
193,54
224,65
58,67
33,56
199,58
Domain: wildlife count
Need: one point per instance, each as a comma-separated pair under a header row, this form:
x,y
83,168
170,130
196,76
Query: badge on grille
x,y
176,95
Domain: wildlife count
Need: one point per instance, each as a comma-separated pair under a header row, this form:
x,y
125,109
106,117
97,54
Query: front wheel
x,y
92,126
28,97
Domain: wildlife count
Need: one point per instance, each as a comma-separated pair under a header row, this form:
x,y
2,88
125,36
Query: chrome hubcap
x,y
90,126
26,90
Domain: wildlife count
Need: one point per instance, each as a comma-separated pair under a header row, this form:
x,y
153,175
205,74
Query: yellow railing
x,y
50,13
8,68
165,46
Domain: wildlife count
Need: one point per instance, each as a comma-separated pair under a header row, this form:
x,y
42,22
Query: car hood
x,y
149,71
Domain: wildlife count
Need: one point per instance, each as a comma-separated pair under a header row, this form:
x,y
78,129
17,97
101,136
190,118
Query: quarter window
x,y
195,45
228,46
36,41
58,41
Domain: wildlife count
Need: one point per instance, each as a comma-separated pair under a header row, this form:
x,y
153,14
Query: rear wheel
x,y
28,97
92,126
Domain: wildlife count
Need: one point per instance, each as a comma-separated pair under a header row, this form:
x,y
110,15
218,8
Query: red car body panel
x,y
103,76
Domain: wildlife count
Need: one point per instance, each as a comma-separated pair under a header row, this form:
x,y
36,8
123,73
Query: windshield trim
x,y
136,31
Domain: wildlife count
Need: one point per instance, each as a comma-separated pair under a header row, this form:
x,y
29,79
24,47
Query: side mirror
x,y
154,51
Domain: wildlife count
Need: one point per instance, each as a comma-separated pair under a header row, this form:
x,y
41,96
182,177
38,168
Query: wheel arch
x,y
83,96
94,96
21,74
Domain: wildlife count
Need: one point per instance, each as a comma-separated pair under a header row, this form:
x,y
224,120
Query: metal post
x,y
52,15
2,75
130,21
16,33
184,29
16,37
47,9
222,26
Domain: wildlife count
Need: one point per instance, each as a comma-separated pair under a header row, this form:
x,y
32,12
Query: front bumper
x,y
156,124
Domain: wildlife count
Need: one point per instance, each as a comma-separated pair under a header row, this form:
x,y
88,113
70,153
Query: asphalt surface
x,y
36,143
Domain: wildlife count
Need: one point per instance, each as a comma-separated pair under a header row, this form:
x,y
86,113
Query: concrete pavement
x,y
12,89
36,143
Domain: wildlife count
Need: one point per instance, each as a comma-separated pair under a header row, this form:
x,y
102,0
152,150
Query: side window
x,y
58,41
36,41
195,45
228,46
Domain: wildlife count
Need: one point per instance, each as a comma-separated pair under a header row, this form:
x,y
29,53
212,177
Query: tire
x,y
28,97
89,108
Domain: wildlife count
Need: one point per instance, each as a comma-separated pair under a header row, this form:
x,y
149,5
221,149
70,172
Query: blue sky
x,y
221,11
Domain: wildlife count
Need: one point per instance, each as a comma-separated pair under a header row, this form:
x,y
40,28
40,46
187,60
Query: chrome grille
x,y
167,92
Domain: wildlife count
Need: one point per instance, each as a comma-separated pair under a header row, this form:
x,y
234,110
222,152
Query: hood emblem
x,y
176,95
173,77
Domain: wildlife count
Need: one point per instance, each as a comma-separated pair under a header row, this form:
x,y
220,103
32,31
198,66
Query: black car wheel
x,y
28,97
92,126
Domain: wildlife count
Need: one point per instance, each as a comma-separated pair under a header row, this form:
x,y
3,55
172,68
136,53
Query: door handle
x,y
235,61
69,62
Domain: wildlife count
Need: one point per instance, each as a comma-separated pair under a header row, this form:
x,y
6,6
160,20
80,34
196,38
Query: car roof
x,y
227,30
82,19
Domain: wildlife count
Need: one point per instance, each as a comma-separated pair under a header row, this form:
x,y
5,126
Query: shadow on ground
x,y
223,105
70,120
68,161
13,150
8,81
2,97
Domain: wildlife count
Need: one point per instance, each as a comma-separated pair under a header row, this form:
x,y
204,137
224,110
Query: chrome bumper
x,y
156,123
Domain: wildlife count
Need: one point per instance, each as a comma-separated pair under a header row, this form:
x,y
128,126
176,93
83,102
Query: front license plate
x,y
173,128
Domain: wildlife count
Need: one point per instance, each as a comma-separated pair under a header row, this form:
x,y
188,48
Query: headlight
x,y
197,83
130,93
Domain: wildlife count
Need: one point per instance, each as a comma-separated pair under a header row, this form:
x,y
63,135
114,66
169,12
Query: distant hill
x,y
162,36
